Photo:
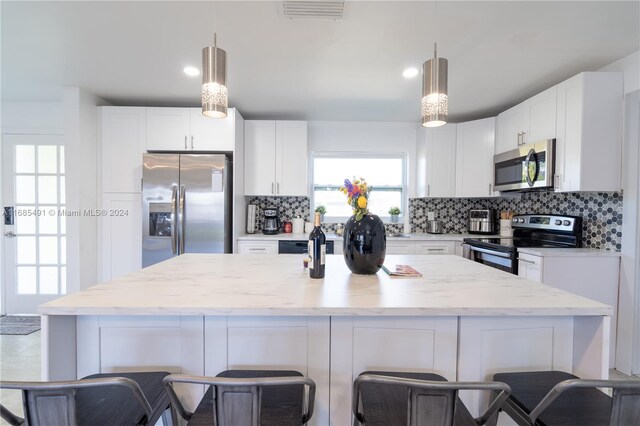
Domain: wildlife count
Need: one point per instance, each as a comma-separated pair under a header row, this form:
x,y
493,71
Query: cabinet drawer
x,y
255,247
530,267
394,247
435,248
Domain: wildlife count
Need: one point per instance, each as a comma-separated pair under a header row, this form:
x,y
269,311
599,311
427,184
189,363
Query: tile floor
x,y
20,360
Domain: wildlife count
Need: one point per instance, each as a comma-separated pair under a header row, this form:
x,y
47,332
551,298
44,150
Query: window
x,y
384,174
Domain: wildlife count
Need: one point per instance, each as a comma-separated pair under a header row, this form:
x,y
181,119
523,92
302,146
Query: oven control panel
x,y
546,222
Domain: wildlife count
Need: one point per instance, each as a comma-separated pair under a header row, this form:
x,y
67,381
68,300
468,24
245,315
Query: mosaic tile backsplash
x,y
290,207
601,212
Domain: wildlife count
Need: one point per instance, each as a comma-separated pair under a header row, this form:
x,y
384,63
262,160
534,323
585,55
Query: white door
x,y
474,158
35,244
168,129
291,158
259,157
541,111
441,160
212,134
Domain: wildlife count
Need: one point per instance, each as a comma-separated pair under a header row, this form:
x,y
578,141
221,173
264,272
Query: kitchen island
x,y
201,314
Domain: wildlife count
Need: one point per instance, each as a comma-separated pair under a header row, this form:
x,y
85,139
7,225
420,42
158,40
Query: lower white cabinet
x,y
420,247
593,277
258,247
120,230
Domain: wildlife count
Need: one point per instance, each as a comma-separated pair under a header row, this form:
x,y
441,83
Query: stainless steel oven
x,y
530,166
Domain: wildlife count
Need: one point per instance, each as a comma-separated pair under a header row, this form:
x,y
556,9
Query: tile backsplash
x,y
601,212
290,207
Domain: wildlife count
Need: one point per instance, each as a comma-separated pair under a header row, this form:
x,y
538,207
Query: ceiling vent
x,y
310,9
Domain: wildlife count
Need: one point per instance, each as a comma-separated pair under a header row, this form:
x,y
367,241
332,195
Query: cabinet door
x,y
211,134
123,139
509,128
121,235
530,267
258,247
291,158
474,158
441,160
168,129
568,146
399,247
259,157
440,247
541,114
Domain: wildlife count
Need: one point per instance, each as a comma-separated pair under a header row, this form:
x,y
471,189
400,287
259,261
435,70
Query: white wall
x,y
81,157
630,66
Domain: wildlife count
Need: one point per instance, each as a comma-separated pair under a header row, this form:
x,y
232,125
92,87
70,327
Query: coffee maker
x,y
271,222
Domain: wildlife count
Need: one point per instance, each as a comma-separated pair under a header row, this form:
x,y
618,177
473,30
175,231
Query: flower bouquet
x,y
357,193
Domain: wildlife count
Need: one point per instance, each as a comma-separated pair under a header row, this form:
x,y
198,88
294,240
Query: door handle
x,y
185,141
272,191
278,188
10,234
174,228
191,141
519,138
428,190
490,189
183,226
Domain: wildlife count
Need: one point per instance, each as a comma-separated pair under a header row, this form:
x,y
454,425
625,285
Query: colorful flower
x,y
357,192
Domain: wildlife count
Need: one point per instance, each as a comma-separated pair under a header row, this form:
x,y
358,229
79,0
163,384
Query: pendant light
x,y
435,99
215,96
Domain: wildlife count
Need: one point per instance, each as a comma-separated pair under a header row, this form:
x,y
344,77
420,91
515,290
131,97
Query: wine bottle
x,y
317,250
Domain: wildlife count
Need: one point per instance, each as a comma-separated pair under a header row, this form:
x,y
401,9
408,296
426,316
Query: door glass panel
x,y
26,250
25,159
48,280
48,224
47,159
63,279
62,191
26,279
63,221
48,250
63,250
25,224
47,189
25,189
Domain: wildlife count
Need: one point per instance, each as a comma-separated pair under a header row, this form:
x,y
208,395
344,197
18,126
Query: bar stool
x,y
248,397
99,399
384,398
559,398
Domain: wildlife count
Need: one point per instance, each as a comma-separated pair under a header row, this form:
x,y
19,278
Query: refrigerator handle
x,y
174,228
183,221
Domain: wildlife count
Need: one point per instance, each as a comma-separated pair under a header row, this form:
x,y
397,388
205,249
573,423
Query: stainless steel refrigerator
x,y
186,205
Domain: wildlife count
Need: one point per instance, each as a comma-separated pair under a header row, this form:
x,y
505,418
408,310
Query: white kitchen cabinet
x,y
530,267
399,247
441,160
120,229
474,158
434,247
186,129
528,122
589,139
275,158
122,132
595,277
258,247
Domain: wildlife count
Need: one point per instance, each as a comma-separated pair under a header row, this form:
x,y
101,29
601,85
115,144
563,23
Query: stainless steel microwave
x,y
530,166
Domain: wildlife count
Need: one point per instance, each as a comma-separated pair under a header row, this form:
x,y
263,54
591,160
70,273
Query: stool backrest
x,y
626,406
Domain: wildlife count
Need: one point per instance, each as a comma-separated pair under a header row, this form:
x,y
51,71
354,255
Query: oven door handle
x,y
491,252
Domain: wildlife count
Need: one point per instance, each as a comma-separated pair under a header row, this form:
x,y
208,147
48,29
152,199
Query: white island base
x,y
202,314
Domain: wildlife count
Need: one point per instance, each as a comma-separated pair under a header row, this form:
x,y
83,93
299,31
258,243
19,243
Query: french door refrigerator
x,y
186,205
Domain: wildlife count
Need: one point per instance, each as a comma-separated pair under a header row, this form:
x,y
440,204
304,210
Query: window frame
x,y
386,217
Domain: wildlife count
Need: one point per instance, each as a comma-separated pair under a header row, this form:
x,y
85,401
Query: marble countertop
x,y
568,252
331,236
232,284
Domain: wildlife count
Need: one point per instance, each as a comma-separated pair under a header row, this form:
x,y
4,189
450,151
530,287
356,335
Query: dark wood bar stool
x,y
248,398
384,398
559,398
99,399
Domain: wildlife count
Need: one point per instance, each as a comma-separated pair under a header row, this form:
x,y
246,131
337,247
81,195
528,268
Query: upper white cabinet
x,y
589,137
440,160
474,158
531,121
123,138
186,129
275,158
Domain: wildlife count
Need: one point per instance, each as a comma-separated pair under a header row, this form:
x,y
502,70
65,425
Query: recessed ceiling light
x,y
410,72
191,71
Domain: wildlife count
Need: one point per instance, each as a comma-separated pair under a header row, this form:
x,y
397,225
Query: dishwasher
x,y
298,246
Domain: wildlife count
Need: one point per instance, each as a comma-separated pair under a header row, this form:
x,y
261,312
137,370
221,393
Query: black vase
x,y
365,244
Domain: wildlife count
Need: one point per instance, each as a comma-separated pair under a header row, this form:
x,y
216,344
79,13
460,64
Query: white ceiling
x,y
133,53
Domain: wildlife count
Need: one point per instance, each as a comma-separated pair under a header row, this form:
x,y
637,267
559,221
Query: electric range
x,y
529,230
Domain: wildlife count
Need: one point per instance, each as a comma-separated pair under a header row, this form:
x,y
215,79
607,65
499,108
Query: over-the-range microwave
x,y
528,167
